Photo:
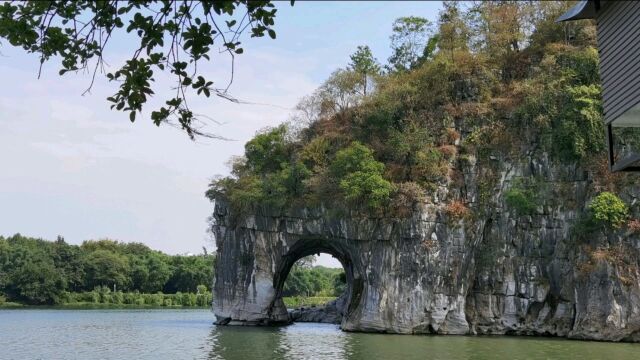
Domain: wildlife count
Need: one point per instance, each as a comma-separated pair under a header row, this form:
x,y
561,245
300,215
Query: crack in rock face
x,y
495,272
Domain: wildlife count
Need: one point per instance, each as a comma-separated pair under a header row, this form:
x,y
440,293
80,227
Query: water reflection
x,y
245,343
322,341
293,342
326,342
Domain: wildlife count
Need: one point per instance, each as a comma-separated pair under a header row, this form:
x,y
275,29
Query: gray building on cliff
x,y
618,24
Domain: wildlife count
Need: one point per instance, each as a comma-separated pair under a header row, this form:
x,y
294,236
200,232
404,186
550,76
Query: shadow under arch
x,y
311,246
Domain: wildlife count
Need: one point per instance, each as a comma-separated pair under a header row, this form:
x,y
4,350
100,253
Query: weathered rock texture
x,y
491,272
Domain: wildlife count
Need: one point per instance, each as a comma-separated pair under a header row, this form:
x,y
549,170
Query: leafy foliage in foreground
x,y
35,271
173,36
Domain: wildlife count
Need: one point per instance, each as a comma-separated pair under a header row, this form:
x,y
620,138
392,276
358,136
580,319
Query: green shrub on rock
x,y
360,176
610,209
521,198
267,150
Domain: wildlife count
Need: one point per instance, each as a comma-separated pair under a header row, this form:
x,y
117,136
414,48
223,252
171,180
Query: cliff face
x,y
491,271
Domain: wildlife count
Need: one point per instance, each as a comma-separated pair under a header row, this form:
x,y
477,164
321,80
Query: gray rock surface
x,y
492,272
330,313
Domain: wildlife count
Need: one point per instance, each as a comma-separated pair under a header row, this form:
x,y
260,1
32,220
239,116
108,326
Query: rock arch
x,y
390,288
494,272
309,246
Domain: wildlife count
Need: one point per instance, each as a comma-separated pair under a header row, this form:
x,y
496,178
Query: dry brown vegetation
x,y
456,210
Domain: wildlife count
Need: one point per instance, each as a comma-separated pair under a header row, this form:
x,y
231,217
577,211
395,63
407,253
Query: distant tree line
x,y
36,271
40,272
306,280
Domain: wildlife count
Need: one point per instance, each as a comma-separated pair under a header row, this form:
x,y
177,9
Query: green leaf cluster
x,y
269,174
609,209
360,176
563,104
168,35
522,200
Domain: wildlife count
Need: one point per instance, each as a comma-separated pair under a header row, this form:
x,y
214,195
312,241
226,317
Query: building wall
x,y
619,48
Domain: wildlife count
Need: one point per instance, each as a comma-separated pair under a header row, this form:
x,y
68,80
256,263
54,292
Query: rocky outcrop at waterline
x,y
491,270
330,313
316,314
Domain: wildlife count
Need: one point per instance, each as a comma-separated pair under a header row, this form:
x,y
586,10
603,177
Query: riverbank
x,y
10,305
95,306
103,298
102,303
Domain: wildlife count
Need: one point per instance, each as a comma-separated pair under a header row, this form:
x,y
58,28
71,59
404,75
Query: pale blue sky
x,y
70,166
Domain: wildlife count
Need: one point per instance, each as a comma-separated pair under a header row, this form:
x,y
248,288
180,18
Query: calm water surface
x,y
189,334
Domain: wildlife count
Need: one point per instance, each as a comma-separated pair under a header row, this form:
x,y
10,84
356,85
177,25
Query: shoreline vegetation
x,y
104,298
169,301
107,274
294,302
40,272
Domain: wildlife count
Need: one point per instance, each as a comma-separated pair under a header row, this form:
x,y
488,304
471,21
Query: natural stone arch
x,y
396,283
309,246
494,272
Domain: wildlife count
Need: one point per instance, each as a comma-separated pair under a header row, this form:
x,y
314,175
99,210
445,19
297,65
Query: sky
x,y
70,166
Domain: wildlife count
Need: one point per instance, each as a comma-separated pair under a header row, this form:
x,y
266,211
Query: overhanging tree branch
x,y
171,36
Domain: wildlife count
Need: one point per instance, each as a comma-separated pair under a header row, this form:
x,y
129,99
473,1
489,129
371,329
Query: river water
x,y
190,334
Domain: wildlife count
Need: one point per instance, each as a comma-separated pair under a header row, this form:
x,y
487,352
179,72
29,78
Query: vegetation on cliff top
x,y
495,80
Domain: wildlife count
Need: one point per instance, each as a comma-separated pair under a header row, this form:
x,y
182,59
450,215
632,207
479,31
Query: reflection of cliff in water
x,y
326,341
308,341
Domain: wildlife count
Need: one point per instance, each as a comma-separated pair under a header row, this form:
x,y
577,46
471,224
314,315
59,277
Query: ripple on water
x,y
190,334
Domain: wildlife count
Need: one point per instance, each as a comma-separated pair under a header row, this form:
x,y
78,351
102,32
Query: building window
x,y
623,134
